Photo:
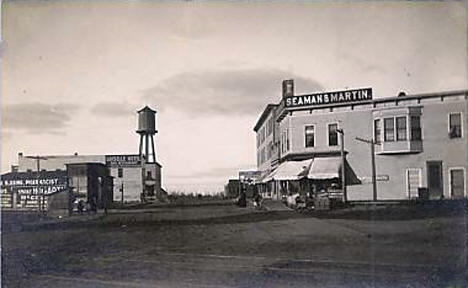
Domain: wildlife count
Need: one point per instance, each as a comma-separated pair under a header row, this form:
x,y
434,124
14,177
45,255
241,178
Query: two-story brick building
x,y
420,142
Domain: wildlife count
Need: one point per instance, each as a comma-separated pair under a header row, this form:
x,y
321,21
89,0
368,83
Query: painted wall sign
x,y
123,160
33,183
355,95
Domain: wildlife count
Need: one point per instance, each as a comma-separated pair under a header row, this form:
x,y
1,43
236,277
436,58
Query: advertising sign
x,y
367,179
249,176
123,160
34,183
355,95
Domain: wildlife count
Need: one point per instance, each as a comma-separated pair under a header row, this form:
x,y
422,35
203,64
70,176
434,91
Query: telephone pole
x,y
41,202
343,173
374,182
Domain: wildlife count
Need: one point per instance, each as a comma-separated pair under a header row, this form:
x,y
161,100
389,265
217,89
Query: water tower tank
x,y
146,121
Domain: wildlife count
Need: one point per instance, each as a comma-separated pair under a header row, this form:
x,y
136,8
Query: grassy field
x,y
226,246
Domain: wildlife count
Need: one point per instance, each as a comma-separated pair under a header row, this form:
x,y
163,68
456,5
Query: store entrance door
x,y
457,183
434,179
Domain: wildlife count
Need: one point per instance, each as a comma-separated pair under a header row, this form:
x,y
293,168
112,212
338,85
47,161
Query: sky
x,y
74,73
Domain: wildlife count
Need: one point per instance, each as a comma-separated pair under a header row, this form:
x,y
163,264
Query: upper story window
x,y
309,136
120,172
455,125
377,130
397,130
389,129
401,128
332,134
415,128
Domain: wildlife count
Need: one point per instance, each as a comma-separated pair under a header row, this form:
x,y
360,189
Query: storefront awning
x,y
290,170
323,168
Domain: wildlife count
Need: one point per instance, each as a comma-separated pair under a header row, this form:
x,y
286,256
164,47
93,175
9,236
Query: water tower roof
x,y
146,108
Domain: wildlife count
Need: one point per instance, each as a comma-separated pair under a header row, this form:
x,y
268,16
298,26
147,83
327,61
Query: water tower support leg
x,y
146,148
141,143
153,151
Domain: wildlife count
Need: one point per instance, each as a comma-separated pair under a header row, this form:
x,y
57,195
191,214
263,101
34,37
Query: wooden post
x,y
374,180
343,170
40,203
122,194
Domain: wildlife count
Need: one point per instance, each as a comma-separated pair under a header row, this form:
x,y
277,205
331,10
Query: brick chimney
x,y
288,88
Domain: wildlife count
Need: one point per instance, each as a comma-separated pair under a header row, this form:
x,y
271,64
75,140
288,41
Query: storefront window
x,y
332,135
401,128
389,128
309,136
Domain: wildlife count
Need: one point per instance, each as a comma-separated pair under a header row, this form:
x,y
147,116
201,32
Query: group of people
x,y
88,206
242,199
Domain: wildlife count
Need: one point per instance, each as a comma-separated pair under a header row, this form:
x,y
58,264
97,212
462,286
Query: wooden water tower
x,y
147,129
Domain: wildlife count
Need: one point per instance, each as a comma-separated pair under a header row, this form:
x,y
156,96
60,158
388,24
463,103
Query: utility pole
x,y
143,175
374,182
41,202
122,193
343,173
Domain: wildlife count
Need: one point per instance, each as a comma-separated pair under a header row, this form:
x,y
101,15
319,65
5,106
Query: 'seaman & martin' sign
x,y
355,95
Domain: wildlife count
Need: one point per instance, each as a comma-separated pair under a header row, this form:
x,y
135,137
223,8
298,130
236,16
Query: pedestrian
x,y
242,202
80,206
258,201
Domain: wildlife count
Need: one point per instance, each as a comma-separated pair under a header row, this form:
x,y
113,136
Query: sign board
x,y
34,183
249,176
346,96
377,178
123,160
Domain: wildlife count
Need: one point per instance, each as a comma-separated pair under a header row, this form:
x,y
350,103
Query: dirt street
x,y
227,246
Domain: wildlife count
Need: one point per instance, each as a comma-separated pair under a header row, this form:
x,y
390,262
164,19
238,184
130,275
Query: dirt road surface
x,y
227,246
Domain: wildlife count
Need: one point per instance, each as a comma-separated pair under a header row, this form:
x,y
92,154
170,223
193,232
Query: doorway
x,y
457,183
435,182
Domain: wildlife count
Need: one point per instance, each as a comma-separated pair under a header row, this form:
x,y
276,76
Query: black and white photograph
x,y
196,143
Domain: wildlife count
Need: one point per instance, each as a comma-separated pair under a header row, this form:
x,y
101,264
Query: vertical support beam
x,y
146,148
152,146
141,144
